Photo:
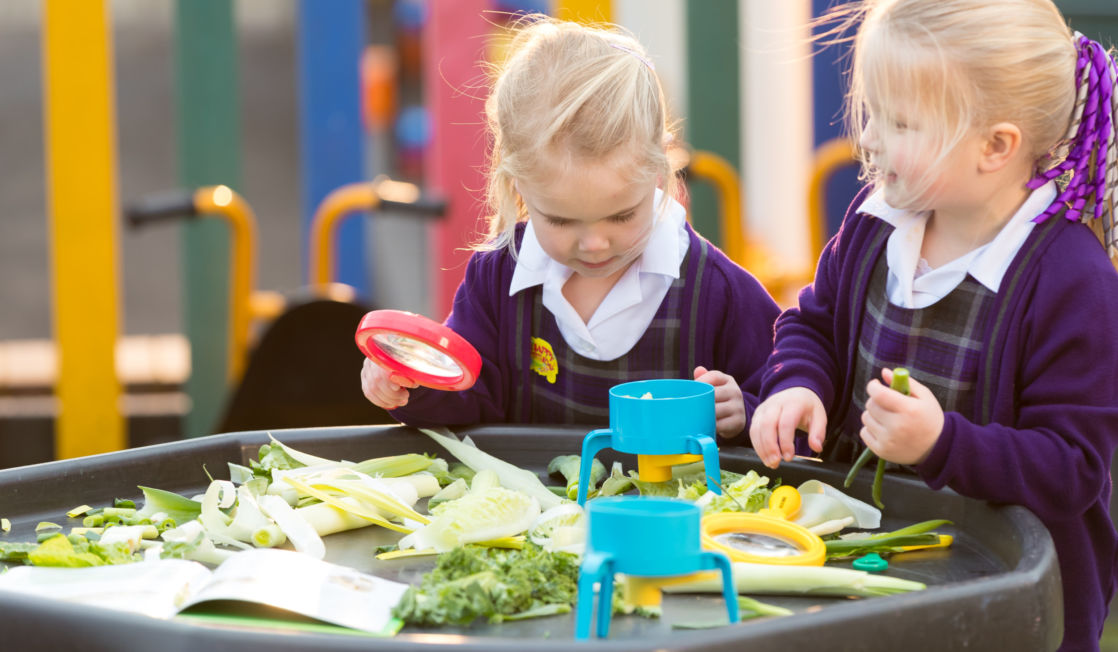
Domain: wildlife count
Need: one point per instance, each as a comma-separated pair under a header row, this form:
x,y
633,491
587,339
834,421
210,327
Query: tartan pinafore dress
x,y
580,391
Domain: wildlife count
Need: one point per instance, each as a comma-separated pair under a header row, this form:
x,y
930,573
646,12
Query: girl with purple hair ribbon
x,y
987,132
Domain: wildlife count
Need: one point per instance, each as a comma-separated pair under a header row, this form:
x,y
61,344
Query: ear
x,y
1001,145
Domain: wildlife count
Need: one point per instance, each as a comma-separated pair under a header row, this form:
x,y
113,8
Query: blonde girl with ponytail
x,y
589,275
987,132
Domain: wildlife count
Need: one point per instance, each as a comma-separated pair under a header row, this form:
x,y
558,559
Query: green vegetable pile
x,y
72,551
471,582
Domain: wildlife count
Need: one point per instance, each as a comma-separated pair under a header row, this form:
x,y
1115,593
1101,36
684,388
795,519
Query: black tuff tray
x,y
997,587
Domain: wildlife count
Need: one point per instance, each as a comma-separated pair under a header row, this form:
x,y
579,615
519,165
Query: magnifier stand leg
x,y
605,599
729,588
709,450
592,444
593,565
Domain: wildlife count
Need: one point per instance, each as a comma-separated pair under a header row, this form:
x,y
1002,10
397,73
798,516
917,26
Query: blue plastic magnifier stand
x,y
676,419
650,537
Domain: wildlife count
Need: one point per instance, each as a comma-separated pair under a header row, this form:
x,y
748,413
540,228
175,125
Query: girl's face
x,y
914,155
591,216
901,153
913,174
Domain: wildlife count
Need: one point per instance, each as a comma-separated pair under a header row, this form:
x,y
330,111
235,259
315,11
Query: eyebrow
x,y
617,214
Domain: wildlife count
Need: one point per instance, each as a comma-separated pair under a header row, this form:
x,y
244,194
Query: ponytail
x,y
1092,159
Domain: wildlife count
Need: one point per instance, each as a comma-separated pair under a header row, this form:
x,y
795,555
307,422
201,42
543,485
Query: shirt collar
x,y
987,264
662,255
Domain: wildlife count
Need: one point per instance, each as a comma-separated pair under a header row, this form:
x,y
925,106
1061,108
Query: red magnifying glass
x,y
418,348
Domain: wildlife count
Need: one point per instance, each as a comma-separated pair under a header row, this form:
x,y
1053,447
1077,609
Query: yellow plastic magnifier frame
x,y
772,521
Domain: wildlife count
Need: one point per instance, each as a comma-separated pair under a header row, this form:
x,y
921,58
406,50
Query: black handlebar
x,y
159,207
424,206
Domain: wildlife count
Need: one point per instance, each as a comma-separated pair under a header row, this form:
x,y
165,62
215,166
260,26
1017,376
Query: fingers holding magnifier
x,y
381,387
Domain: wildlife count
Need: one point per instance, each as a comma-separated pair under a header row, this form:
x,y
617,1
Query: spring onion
x,y
900,384
917,535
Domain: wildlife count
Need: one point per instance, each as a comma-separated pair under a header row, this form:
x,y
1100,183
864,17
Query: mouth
x,y
597,265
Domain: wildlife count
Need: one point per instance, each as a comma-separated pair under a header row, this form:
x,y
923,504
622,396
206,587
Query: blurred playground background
x,y
201,197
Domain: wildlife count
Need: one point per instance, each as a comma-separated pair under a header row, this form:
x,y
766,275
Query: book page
x,y
153,588
289,580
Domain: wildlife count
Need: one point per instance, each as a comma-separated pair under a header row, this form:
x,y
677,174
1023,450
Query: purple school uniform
x,y
724,322
1044,419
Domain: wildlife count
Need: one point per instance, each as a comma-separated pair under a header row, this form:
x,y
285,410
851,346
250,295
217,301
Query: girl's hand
x,y
729,406
773,430
383,388
899,428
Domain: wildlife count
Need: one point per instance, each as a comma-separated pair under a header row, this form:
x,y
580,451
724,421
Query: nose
x,y
593,239
868,139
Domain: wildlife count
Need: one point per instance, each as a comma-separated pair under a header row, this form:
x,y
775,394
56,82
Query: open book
x,y
274,578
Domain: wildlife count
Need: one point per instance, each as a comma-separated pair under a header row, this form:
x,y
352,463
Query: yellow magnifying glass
x,y
767,537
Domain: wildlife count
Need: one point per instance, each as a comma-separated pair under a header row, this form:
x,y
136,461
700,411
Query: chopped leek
x,y
616,483
796,580
569,466
478,516
78,511
176,507
297,530
512,477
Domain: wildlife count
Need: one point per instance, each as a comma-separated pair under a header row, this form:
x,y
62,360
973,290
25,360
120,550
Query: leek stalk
x,y
776,579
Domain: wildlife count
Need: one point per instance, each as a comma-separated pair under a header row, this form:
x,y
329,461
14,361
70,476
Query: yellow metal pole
x,y
82,205
829,158
724,178
347,199
223,201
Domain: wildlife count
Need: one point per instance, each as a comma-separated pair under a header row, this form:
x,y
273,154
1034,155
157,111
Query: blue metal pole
x,y
331,38
829,90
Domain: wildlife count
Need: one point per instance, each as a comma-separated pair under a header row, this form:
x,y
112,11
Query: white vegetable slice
x,y
306,458
298,531
478,516
512,476
213,519
818,504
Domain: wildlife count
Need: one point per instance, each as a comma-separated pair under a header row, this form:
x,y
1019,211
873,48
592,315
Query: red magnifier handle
x,y
438,341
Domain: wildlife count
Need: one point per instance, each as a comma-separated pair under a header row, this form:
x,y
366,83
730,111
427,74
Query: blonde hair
x,y
958,65
589,92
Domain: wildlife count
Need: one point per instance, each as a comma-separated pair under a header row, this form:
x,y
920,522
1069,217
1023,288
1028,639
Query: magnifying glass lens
x,y
761,545
418,355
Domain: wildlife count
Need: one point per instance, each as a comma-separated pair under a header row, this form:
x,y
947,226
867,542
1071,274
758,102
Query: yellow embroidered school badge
x,y
543,359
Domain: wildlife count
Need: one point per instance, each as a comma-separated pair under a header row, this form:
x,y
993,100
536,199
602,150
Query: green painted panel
x,y
713,120
1098,19
209,153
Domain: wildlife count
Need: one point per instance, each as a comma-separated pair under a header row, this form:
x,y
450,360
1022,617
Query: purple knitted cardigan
x,y
730,330
1046,422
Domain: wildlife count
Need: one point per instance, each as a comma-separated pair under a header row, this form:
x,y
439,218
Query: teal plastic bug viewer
x,y
642,538
664,422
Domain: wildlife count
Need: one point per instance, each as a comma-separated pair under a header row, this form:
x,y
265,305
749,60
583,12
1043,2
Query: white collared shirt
x,y
912,284
628,308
